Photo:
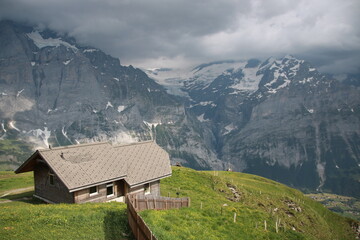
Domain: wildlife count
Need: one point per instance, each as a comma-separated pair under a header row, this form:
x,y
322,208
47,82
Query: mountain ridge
x,y
278,118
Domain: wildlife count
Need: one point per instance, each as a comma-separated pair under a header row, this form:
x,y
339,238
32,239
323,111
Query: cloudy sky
x,y
178,33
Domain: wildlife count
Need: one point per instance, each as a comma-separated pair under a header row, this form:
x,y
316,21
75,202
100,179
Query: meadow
x,y
28,218
264,210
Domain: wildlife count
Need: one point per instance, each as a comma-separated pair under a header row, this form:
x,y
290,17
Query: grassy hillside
x,y
29,218
10,181
216,196
13,153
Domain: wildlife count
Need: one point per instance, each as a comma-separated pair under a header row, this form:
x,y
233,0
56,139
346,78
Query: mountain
x,y
55,91
280,118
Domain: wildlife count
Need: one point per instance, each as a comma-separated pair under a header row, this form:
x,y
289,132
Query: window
x,y
93,190
110,189
147,189
51,178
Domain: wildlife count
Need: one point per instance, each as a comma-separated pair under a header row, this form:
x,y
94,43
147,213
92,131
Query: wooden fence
x,y
136,204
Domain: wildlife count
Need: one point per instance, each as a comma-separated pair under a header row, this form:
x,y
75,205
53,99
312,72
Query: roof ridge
x,y
130,144
73,146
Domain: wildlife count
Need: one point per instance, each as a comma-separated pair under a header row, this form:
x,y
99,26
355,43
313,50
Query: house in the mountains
x,y
97,172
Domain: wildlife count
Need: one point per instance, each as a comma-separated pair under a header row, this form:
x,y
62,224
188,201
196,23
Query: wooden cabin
x,y
97,172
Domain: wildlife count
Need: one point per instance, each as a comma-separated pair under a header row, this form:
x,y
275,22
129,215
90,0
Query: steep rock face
x,y
56,92
281,119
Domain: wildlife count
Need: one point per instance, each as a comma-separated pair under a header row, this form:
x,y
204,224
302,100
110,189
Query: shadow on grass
x,y
116,226
26,197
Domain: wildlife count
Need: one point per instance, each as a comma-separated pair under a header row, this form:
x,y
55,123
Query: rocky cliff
x,y
57,92
279,118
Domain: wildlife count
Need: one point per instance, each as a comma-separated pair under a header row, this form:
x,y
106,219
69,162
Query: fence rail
x,y
158,203
136,204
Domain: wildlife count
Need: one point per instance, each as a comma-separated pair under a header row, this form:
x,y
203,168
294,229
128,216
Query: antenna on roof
x,y
153,130
50,146
62,155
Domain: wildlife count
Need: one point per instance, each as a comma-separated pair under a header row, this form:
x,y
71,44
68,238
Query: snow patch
x,y
229,128
149,125
337,166
108,105
90,50
19,92
250,81
206,103
33,63
305,80
43,135
201,118
12,126
65,134
67,62
116,79
3,127
120,108
310,110
40,42
4,94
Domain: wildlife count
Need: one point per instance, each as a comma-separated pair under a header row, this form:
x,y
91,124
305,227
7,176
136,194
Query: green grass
x,y
32,219
24,220
210,216
9,181
13,152
260,200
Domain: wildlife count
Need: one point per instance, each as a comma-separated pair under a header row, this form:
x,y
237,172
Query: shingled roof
x,y
86,165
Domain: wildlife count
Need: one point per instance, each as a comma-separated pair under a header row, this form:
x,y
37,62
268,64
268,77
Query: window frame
x,y
113,190
147,189
93,193
51,178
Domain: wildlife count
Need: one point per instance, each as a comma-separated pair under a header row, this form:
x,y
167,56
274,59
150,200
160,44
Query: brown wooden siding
x,y
57,193
83,196
140,190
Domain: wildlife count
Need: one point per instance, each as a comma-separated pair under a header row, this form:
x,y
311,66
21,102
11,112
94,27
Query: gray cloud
x,y
160,33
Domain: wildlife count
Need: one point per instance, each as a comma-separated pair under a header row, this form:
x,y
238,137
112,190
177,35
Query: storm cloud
x,y
162,33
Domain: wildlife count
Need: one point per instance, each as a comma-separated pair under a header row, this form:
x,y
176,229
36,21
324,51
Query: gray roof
x,y
85,165
146,161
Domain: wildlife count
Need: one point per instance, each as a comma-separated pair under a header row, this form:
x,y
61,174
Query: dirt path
x,y
18,190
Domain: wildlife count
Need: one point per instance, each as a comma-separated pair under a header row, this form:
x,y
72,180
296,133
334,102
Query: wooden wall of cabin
x,y
84,195
56,192
140,190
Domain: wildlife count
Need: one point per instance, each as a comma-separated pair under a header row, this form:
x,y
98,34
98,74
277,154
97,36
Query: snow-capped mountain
x,y
54,91
279,118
